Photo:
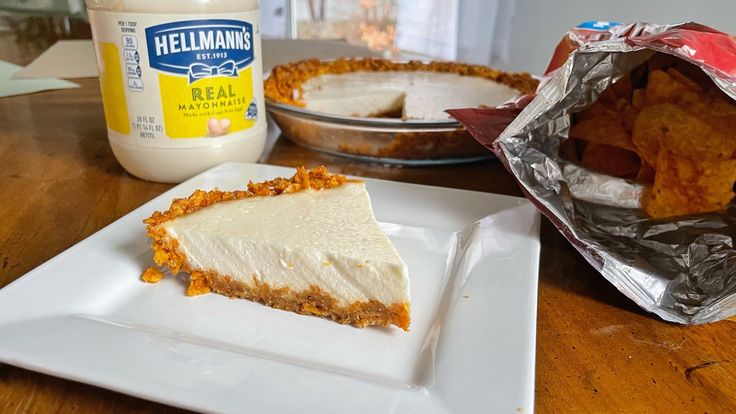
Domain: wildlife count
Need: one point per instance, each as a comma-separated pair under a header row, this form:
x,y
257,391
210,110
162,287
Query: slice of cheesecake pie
x,y
309,244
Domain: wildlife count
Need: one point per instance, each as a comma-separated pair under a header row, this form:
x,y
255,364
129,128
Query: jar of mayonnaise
x,y
181,83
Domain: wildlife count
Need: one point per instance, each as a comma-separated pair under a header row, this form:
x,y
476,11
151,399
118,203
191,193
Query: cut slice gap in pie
x,y
367,104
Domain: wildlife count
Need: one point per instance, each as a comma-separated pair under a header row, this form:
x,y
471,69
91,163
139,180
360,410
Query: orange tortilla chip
x,y
716,179
693,73
695,138
646,135
617,92
637,98
607,98
622,104
721,104
610,160
663,88
665,62
695,104
679,77
595,110
675,88
568,150
721,112
622,87
682,133
646,173
675,191
629,115
604,128
683,186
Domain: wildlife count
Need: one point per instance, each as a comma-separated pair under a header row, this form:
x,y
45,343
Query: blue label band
x,y
201,48
597,25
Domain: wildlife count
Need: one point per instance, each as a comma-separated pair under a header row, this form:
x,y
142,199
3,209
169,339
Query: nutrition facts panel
x,y
132,57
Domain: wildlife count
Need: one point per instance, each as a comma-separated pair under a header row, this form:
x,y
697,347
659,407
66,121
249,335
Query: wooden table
x,y
596,351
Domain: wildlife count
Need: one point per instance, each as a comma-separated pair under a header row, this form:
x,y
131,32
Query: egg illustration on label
x,y
217,127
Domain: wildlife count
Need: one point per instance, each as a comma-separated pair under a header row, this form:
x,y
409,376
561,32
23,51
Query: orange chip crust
x,y
152,275
284,84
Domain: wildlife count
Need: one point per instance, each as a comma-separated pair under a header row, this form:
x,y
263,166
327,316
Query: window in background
x,y
48,19
276,19
428,28
463,30
371,23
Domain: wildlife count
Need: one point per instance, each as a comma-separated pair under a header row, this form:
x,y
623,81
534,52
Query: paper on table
x,y
10,87
66,59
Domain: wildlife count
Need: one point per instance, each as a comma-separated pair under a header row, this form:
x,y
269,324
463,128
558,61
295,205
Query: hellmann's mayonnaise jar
x,y
181,83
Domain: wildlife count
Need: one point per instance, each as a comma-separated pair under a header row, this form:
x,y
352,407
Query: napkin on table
x,y
66,59
11,87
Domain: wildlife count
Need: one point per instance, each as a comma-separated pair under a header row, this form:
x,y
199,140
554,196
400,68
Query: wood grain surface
x,y
596,351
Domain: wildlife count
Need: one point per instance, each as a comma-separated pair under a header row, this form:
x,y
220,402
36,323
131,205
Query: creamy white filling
x,y
425,95
327,238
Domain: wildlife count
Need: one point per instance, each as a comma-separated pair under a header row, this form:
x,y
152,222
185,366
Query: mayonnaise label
x,y
201,48
174,80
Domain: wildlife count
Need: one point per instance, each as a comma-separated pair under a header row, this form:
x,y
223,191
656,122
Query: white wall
x,y
538,25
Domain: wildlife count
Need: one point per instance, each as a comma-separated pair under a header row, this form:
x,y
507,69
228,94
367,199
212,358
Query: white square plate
x,y
473,262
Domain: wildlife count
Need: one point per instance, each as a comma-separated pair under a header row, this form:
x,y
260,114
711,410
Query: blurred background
x,y
507,34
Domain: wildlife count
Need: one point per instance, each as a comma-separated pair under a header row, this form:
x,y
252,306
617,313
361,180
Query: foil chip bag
x,y
629,148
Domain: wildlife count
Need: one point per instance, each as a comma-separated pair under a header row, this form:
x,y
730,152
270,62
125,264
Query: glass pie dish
x,y
385,140
387,111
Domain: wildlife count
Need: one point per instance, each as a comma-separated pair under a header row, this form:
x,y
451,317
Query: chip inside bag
x,y
666,125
